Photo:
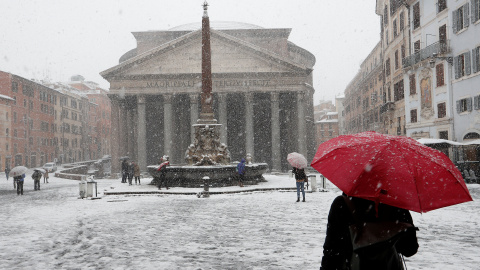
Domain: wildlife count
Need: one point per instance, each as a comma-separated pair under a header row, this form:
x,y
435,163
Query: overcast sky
x,y
60,38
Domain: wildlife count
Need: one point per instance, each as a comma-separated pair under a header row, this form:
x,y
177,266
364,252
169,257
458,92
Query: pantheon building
x,y
262,94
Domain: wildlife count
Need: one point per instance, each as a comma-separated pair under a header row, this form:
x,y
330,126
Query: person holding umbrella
x,y
299,163
241,172
37,175
19,180
384,177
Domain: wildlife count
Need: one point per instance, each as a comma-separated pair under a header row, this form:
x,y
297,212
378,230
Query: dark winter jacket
x,y
241,167
337,248
299,174
163,168
36,175
124,166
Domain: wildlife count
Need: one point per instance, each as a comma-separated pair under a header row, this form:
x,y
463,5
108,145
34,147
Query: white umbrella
x,y
297,160
19,170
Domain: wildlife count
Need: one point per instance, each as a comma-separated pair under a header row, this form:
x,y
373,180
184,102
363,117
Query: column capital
x,y
141,99
274,96
300,96
167,98
193,98
222,97
249,96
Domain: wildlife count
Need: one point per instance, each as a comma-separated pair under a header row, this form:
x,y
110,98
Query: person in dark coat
x,y
19,180
136,173
300,178
36,176
241,172
163,174
7,171
337,249
130,172
124,171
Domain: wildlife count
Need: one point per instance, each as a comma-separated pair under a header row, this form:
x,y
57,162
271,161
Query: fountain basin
x,y
220,175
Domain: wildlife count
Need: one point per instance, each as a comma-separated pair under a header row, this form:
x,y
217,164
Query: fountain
x,y
206,156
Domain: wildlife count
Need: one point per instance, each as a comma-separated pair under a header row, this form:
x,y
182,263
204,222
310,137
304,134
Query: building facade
x,y
262,88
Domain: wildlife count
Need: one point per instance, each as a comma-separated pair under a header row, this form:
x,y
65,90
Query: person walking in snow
x,y
124,171
130,171
7,171
19,182
136,173
300,178
241,172
37,175
163,173
45,177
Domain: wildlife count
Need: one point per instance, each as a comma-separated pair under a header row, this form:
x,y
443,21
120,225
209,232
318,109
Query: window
x,y
386,36
441,5
416,15
385,15
443,135
7,132
462,65
402,21
15,133
395,28
441,110
413,116
460,18
396,59
398,91
442,35
14,117
413,85
464,105
475,10
387,67
402,51
15,87
440,75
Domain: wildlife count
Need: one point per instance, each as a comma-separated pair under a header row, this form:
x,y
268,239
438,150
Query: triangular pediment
x,y
184,56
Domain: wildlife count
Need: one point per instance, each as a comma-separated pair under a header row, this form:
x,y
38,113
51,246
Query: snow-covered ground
x,y
53,229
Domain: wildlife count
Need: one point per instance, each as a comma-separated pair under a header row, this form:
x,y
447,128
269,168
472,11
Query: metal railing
x,y
427,52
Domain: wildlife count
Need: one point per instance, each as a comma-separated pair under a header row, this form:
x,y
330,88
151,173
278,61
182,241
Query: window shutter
x,y
456,66
476,101
468,63
469,104
474,60
454,21
474,11
466,15
458,106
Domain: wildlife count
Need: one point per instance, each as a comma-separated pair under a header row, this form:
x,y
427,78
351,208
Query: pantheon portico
x,y
262,94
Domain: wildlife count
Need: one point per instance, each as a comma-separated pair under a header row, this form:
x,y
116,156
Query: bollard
x,y
323,183
206,186
312,178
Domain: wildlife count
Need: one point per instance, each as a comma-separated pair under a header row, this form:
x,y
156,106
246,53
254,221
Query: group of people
x,y
20,179
129,171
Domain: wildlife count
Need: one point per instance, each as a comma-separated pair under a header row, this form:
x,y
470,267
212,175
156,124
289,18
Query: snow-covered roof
x,y
328,121
6,97
436,141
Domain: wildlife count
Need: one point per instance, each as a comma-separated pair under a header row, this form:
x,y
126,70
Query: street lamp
x,y
435,56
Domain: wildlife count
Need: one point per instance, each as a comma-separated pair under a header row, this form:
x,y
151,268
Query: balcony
x,y
389,106
426,53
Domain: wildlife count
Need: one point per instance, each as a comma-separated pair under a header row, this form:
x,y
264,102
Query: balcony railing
x,y
387,107
427,52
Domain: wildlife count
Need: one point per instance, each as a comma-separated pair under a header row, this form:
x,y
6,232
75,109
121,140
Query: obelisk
x,y
206,115
207,149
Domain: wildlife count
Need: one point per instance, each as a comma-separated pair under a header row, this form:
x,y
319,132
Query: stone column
x,y
115,131
222,116
123,128
249,142
193,115
130,130
142,133
302,135
168,125
275,122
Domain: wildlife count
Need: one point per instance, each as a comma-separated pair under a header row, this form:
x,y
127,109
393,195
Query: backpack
x,y
374,242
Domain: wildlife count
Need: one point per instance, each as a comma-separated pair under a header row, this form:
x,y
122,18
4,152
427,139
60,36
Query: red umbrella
x,y
297,160
393,170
